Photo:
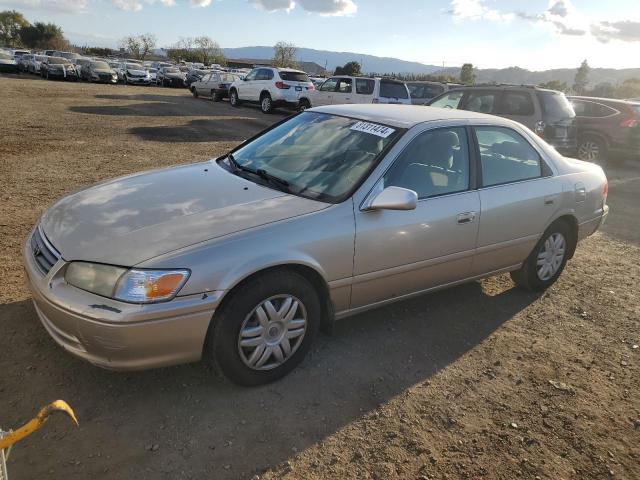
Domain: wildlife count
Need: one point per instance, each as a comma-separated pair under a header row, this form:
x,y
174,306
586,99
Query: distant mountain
x,y
332,60
517,75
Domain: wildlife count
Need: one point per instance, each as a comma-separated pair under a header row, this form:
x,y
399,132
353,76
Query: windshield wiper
x,y
260,172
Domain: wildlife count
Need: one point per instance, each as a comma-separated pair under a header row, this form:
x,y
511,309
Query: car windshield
x,y
59,61
294,76
100,65
227,78
134,66
320,156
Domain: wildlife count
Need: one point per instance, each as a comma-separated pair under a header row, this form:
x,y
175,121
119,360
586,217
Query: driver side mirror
x,y
394,198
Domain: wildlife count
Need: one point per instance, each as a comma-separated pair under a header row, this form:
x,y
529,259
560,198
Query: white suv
x,y
344,89
272,88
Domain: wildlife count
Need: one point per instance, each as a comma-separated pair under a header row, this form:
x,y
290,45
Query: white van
x,y
344,89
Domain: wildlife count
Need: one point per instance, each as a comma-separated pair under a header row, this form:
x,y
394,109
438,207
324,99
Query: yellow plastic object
x,y
37,422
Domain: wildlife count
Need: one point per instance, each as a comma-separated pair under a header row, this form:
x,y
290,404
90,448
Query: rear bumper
x,y
116,335
589,227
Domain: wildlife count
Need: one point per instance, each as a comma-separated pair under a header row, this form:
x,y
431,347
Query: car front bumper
x,y
139,80
117,335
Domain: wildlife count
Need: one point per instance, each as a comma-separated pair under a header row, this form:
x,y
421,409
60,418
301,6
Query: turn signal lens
x,y
147,286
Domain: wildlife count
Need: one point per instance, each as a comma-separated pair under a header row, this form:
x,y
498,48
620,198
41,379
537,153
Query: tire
x,y
592,149
283,289
215,97
233,98
47,75
194,92
303,104
266,104
532,276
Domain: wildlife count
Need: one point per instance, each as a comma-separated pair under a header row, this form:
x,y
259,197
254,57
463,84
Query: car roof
x,y
601,100
404,116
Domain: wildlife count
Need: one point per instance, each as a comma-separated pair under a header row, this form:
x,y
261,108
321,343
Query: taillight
x,y
375,100
311,87
539,128
282,86
605,190
629,122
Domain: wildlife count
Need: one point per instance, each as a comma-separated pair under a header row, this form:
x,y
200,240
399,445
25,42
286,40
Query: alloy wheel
x,y
266,103
550,256
589,151
272,332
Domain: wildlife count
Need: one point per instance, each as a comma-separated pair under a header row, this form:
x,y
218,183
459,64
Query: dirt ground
x,y
457,384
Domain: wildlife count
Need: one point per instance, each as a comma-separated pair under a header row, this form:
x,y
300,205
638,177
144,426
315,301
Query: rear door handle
x,y
467,217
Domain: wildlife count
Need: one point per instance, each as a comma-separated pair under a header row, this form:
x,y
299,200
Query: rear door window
x,y
365,86
517,104
450,100
393,89
344,85
294,77
506,156
483,101
555,105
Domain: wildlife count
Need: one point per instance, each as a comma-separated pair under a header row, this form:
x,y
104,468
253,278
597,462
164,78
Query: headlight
x,y
134,285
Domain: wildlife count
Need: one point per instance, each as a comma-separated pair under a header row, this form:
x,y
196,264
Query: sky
x,y
533,34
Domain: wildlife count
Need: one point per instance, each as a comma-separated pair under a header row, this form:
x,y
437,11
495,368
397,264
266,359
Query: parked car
x,y
424,91
347,90
80,63
23,62
19,53
135,74
606,126
194,75
214,84
170,77
153,74
48,53
547,112
319,217
58,67
7,63
272,88
34,63
99,72
68,55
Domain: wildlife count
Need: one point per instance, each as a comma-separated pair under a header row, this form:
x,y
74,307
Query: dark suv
x,y
606,125
547,112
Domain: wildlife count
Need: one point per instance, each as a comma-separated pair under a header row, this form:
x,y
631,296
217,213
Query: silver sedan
x,y
243,259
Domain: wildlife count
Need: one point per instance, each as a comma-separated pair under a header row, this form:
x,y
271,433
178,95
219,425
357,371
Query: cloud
x,y
136,5
462,10
322,7
200,3
625,30
561,16
55,6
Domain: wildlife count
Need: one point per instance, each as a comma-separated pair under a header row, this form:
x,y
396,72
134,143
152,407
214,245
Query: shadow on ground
x,y
206,427
217,130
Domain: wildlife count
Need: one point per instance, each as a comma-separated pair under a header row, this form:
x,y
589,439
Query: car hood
x,y
131,219
174,75
136,72
103,70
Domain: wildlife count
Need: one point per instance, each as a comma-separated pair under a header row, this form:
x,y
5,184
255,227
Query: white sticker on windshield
x,y
373,129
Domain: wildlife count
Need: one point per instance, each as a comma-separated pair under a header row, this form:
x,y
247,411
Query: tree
x,y
555,85
11,22
467,76
582,78
209,51
630,88
138,46
350,68
42,35
284,55
604,90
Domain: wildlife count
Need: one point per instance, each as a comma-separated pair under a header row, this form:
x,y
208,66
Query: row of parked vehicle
x,y
590,128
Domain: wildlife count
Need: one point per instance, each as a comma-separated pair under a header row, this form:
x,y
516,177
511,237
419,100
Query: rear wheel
x,y
194,92
592,149
266,104
265,328
233,98
303,105
547,260
215,97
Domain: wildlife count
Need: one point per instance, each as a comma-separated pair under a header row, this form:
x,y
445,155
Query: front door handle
x,y
466,217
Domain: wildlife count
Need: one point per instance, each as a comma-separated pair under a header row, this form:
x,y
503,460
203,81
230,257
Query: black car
x,y
195,75
170,77
97,71
58,67
547,112
606,126
7,63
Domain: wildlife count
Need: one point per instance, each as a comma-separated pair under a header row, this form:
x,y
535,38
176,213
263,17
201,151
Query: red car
x,y
606,126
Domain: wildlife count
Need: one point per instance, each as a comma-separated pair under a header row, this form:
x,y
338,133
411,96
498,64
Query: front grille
x,y
43,252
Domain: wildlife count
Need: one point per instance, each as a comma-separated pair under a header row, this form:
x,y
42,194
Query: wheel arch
x,y
589,133
263,92
572,222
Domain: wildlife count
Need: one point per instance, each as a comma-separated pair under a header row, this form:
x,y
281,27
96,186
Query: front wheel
x,y
592,149
265,329
547,260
